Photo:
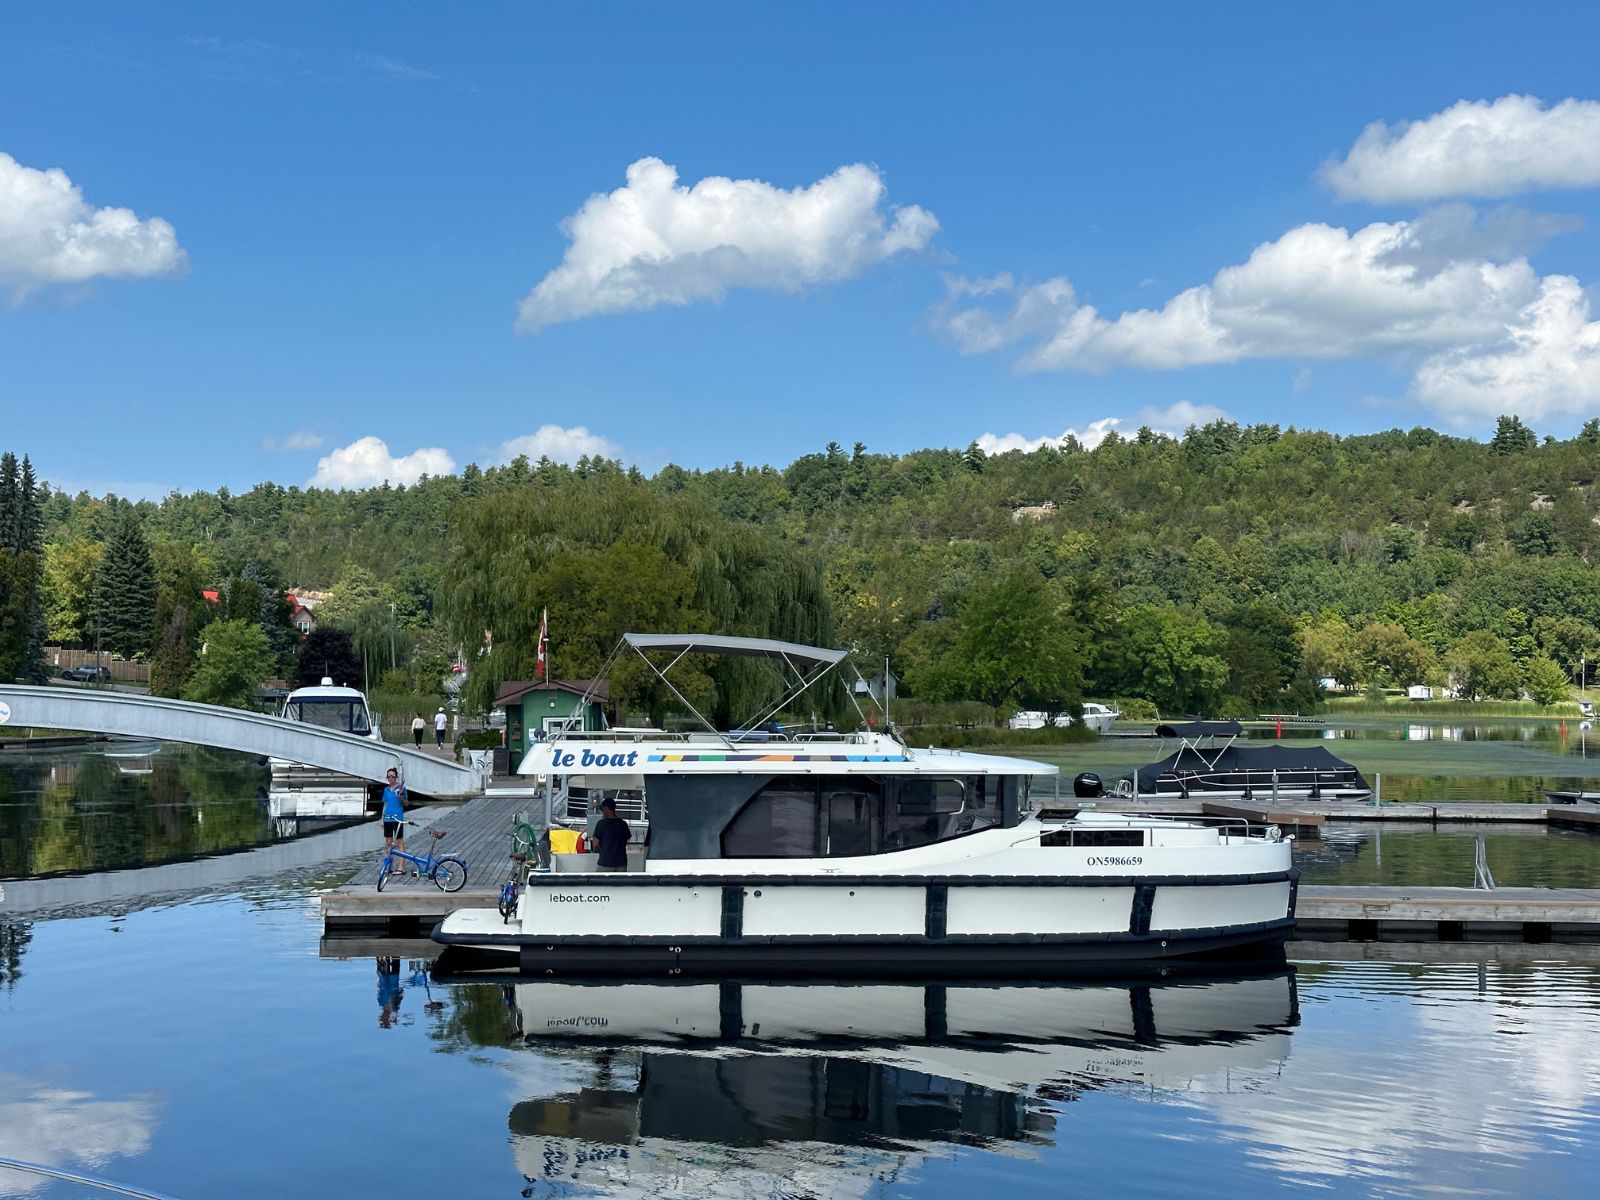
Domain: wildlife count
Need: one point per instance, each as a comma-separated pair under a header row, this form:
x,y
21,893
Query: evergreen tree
x,y
125,592
21,571
30,545
328,653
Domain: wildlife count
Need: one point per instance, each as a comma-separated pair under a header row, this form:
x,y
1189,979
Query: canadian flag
x,y
540,664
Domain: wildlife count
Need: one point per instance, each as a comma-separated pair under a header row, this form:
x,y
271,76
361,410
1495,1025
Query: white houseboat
x,y
856,853
299,790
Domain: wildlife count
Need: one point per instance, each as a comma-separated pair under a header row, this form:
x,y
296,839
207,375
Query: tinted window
x,y
853,821
779,821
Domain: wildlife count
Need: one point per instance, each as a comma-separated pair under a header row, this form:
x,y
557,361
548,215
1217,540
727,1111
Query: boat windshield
x,y
337,713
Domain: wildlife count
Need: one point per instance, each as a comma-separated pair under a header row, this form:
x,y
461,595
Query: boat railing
x,y
1230,827
1310,779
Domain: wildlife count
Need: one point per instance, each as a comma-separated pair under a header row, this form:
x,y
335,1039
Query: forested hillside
x,y
1227,570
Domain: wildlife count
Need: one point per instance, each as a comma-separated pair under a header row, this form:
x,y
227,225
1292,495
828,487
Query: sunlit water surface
x,y
203,1048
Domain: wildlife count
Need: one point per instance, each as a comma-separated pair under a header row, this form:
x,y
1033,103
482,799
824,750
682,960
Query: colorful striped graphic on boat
x,y
736,758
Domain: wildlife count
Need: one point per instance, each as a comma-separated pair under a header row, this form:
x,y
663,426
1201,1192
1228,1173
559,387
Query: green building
x,y
535,709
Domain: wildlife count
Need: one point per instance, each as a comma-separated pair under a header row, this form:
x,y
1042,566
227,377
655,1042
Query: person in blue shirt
x,y
394,813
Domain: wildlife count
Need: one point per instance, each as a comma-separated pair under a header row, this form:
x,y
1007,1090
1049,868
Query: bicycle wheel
x,y
383,871
450,873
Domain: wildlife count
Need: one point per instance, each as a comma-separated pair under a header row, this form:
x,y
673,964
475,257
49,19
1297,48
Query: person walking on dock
x,y
438,728
394,813
611,834
417,727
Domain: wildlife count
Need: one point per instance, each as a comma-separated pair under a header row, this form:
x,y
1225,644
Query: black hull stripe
x,y
883,958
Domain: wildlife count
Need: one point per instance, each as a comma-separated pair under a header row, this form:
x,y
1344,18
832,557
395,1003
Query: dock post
x,y
1377,795
1274,785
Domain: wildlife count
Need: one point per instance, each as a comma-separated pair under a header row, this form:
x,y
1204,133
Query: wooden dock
x,y
478,832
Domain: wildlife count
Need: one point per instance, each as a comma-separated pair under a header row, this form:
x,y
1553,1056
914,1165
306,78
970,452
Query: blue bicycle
x,y
446,870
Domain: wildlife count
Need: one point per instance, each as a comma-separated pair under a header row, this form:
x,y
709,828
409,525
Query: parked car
x,y
87,674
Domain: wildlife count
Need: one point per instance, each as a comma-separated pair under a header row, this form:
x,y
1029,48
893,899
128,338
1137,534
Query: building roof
x,y
512,690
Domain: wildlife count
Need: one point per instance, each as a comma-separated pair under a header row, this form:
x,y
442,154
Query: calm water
x,y
112,805
1410,854
203,1048
202,1045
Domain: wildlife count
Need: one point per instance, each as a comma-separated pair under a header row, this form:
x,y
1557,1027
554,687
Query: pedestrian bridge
x,y
128,715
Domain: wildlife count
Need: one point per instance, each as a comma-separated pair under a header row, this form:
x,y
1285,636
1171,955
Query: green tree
x,y
1328,649
1546,682
22,619
234,662
1391,656
1481,666
70,568
1015,644
1262,652
125,591
1511,436
1168,657
327,653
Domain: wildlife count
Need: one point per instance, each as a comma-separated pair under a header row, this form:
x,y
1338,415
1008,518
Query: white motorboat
x,y
299,790
856,853
1097,717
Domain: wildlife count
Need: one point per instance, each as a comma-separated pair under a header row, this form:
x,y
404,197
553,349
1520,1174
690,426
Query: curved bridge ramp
x,y
129,715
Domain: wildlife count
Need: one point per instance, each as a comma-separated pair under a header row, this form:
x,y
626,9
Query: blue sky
x,y
359,240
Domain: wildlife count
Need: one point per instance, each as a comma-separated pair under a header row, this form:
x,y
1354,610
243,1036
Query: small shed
x,y
537,708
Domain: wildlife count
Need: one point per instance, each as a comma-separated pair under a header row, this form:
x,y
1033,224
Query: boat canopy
x,y
1240,766
1197,729
709,643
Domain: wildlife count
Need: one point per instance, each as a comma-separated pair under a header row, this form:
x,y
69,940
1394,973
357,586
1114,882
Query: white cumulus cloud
x,y
1037,309
657,242
1172,421
49,234
1547,364
1091,436
1447,296
558,445
1318,292
366,462
300,439
1473,148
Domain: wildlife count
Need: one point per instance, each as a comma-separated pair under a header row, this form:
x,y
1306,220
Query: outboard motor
x,y
1087,786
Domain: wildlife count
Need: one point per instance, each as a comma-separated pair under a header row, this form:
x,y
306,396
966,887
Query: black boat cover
x,y
1194,729
1240,766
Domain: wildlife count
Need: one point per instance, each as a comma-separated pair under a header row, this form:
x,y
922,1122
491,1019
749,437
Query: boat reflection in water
x,y
802,1089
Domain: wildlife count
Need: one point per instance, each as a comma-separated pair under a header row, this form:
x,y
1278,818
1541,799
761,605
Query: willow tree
x,y
606,555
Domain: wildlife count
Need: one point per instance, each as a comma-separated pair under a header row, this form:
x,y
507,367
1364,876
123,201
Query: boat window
x,y
983,805
345,716
924,810
1105,837
779,821
852,821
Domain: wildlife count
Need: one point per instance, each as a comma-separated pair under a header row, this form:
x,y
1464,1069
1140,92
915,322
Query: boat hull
x,y
877,927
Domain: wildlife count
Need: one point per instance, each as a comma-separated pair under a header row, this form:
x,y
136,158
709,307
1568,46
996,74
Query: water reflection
x,y
1416,853
67,1127
809,1090
126,804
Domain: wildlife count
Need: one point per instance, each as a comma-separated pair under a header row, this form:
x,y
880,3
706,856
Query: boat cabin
x,y
856,794
327,706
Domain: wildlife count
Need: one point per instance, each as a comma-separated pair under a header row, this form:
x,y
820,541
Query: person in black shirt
x,y
611,834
